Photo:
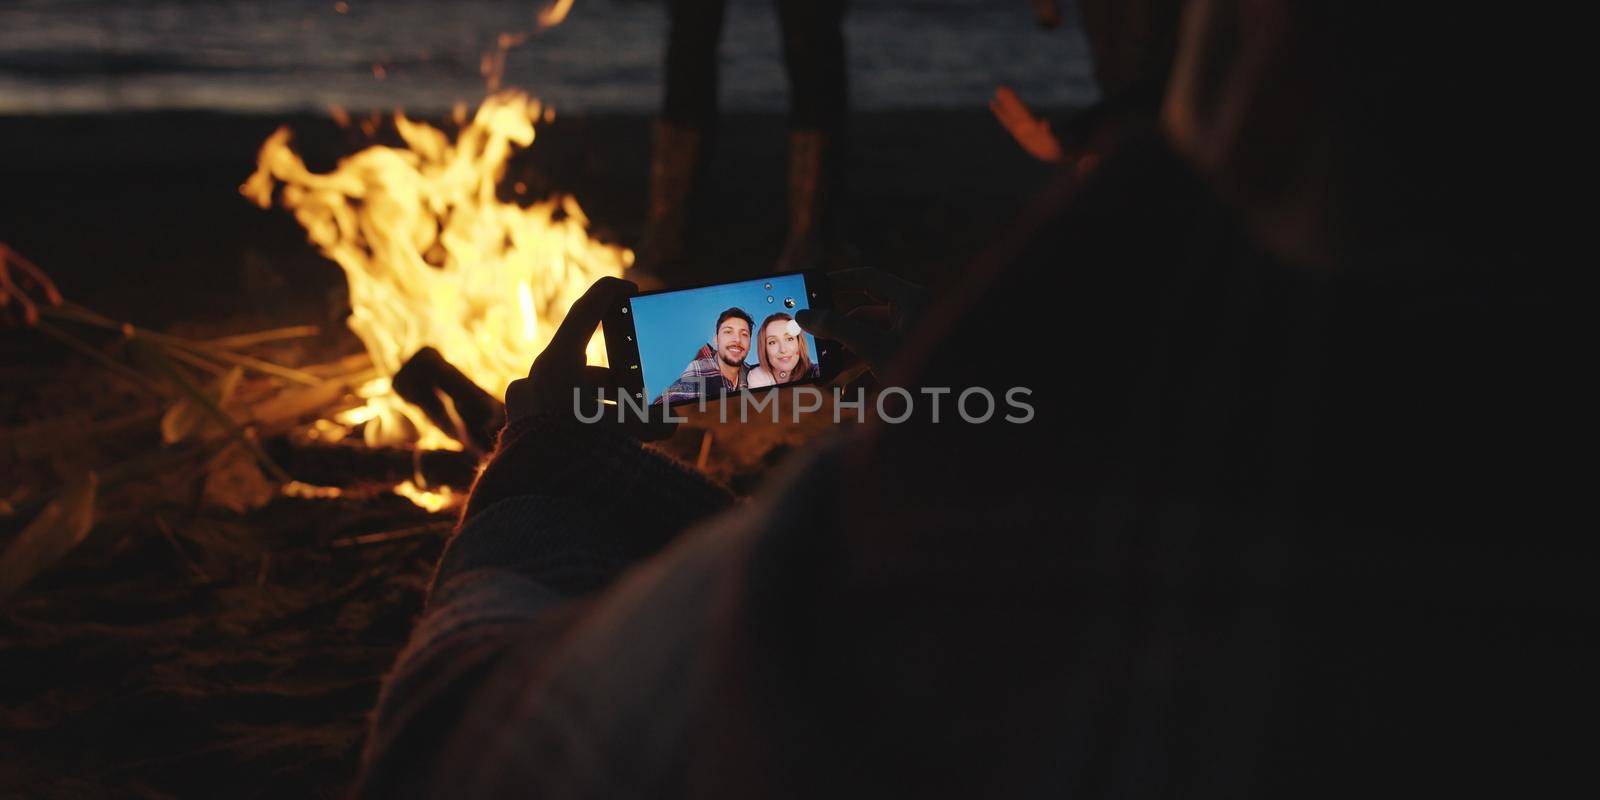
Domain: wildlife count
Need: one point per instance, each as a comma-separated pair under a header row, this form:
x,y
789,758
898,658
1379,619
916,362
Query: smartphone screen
x,y
712,340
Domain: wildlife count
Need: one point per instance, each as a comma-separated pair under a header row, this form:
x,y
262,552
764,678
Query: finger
x,y
1006,111
1008,118
1015,103
573,336
1019,113
875,282
1007,100
867,340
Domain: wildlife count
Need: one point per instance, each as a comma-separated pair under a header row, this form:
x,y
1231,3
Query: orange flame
x,y
555,14
430,500
493,65
434,258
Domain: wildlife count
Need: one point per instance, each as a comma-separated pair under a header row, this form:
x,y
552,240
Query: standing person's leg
x,y
680,137
690,90
814,52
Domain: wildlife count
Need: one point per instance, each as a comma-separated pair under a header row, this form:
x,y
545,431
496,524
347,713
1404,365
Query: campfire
x,y
435,259
223,512
453,291
455,285
456,282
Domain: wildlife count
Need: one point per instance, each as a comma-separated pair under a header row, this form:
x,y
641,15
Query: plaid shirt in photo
x,y
703,371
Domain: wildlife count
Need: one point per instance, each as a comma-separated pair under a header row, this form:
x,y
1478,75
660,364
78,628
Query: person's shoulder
x,y
759,377
703,359
694,369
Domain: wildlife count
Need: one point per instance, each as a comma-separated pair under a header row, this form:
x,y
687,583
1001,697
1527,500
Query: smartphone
x,y
675,347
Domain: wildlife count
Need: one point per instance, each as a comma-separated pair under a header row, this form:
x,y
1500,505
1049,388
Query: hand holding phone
x,y
563,368
875,325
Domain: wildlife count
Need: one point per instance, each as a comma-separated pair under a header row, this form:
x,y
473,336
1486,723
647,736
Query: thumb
x,y
870,342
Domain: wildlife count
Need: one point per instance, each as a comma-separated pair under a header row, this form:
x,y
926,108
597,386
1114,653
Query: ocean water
x,y
87,56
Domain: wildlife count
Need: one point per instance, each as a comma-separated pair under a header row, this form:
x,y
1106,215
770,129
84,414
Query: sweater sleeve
x,y
574,503
559,511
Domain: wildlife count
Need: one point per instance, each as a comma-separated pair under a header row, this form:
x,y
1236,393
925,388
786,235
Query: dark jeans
x,y
813,53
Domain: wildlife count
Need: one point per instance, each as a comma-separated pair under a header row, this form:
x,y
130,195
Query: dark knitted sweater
x,y
560,510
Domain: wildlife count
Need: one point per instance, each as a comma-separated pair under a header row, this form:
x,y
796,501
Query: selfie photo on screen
x,y
725,338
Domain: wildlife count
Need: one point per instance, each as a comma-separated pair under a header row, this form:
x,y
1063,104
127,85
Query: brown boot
x,y
676,160
813,190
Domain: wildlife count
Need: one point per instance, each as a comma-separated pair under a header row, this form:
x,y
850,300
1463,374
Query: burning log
x,y
450,399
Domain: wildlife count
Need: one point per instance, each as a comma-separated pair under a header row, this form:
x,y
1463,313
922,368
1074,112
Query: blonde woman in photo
x,y
781,349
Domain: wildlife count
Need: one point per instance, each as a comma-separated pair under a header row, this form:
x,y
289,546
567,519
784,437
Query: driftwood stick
x,y
76,313
427,380
338,368
159,359
193,360
289,407
431,528
95,355
230,357
262,337
11,289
